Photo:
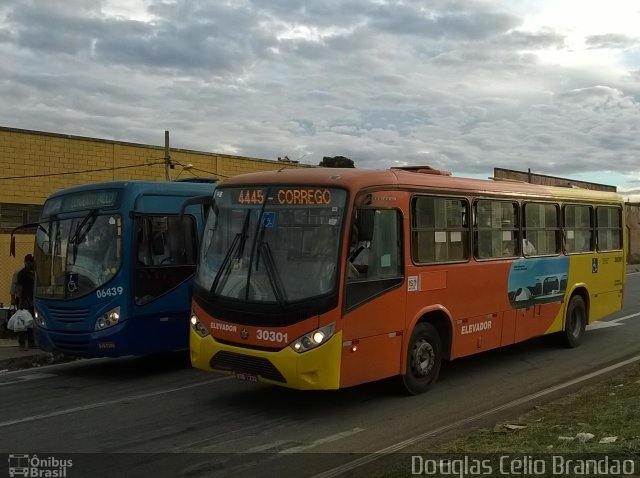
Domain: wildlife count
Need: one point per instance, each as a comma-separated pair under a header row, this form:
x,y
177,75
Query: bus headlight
x,y
108,319
200,329
313,339
39,318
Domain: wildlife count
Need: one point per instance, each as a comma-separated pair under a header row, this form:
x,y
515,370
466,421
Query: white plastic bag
x,y
20,321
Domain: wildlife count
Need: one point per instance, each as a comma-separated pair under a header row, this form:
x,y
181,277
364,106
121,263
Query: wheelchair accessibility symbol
x,y
269,219
72,282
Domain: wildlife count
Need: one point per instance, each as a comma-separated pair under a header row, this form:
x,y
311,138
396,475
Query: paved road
x,y
181,421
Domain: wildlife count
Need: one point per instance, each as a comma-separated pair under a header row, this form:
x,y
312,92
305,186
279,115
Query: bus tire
x,y
575,322
424,357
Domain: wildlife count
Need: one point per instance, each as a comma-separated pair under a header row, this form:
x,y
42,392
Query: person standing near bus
x,y
25,291
13,292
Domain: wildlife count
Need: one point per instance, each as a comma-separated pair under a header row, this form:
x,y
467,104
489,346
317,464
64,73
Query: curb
x,y
32,361
28,361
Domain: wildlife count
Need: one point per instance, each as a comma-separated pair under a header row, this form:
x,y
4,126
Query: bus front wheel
x,y
424,357
575,322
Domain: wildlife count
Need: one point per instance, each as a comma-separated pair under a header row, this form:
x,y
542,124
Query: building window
x,y
14,215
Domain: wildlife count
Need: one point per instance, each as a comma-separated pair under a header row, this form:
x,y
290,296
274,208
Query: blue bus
x,y
114,267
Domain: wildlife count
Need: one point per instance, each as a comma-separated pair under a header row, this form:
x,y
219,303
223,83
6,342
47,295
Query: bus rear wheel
x,y
424,357
575,322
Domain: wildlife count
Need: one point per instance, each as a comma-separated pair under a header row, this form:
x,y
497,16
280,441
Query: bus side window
x,y
358,262
167,259
143,257
439,229
159,250
179,242
360,249
374,264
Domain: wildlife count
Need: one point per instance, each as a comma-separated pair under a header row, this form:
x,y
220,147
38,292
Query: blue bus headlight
x,y
108,319
313,339
39,318
200,329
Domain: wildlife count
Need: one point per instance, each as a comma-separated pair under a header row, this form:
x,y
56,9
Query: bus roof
x,y
415,178
179,187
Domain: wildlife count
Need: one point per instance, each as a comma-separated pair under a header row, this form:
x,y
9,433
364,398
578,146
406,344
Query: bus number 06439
x,y
109,292
271,336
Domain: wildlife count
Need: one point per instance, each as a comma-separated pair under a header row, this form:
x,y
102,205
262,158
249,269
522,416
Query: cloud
x,y
612,40
462,85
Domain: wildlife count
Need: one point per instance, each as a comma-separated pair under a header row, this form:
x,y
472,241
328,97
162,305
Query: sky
x,y
462,85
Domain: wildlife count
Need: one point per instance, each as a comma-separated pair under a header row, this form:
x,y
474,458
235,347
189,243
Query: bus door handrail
x,y
12,242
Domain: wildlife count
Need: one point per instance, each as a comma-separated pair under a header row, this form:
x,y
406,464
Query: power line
x,y
192,168
81,172
112,169
211,172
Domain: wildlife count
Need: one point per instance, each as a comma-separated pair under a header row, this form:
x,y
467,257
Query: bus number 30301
x,y
109,292
271,336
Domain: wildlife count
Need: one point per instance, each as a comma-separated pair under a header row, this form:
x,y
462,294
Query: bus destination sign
x,y
105,198
286,196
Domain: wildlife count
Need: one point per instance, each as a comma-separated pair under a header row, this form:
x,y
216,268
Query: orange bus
x,y
328,278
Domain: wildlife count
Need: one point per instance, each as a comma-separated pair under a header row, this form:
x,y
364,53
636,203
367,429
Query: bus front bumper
x,y
316,369
111,342
126,338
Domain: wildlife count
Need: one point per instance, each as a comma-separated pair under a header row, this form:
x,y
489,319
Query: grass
x,y
607,409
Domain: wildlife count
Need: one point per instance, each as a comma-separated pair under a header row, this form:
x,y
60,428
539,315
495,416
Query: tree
x,y
336,162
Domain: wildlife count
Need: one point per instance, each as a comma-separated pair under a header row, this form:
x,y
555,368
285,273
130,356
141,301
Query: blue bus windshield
x,y
78,255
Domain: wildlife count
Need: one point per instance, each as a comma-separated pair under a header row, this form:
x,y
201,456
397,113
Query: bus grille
x,y
68,315
230,361
70,344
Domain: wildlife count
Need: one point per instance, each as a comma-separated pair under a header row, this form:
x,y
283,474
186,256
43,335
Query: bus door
x,y
165,252
374,299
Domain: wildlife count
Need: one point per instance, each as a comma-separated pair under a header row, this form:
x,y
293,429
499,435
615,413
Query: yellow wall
x,y
24,246
29,160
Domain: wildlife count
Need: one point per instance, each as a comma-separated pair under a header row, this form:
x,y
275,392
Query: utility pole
x,y
167,157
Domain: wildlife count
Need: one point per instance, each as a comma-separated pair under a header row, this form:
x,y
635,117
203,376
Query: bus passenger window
x,y
439,230
159,251
541,228
495,229
609,228
374,264
166,255
528,248
578,223
358,261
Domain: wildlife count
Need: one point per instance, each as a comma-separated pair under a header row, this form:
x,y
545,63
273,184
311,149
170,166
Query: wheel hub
x,y
423,358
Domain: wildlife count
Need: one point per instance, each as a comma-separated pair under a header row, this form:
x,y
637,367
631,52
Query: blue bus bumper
x,y
127,338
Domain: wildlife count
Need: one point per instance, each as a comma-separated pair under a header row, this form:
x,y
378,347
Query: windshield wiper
x,y
76,234
81,231
272,273
225,263
239,240
263,249
260,241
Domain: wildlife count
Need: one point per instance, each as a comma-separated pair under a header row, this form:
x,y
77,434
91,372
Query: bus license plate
x,y
247,377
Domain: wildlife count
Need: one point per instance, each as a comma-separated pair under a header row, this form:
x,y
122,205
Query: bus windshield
x,y
273,245
76,256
